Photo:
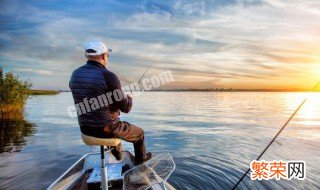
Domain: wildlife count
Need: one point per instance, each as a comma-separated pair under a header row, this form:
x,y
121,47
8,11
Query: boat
x,y
85,174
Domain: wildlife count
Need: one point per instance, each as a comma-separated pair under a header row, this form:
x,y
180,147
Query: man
x,y
93,80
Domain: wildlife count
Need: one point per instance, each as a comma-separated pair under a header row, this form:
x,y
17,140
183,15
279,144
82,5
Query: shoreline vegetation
x,y
44,92
15,92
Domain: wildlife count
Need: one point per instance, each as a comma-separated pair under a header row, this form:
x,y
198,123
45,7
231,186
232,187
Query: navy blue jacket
x,y
91,81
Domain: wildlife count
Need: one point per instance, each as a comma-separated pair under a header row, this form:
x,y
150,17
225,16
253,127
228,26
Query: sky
x,y
249,44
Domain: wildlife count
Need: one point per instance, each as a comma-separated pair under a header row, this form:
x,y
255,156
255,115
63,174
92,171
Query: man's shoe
x,y
146,158
117,153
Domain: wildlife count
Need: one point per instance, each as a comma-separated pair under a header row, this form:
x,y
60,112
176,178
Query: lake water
x,y
212,136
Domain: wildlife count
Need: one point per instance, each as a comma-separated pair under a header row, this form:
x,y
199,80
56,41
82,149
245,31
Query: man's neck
x,y
99,61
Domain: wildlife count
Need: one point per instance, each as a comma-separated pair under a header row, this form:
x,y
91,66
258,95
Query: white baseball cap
x,y
96,47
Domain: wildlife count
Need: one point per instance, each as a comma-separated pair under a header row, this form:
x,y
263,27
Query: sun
x,y
311,107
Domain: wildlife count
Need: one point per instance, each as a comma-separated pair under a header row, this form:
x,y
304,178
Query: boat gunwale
x,y
70,168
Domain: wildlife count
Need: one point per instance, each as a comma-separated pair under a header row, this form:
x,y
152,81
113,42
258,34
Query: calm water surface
x,y
212,136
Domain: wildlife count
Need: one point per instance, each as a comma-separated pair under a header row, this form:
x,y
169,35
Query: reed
x,y
13,93
44,92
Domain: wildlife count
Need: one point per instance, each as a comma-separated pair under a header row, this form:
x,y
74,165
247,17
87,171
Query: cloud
x,y
230,41
272,36
35,71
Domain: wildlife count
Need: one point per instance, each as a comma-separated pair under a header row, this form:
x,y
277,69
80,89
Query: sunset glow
x,y
221,44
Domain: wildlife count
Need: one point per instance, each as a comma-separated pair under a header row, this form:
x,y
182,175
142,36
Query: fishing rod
x,y
143,74
141,77
281,129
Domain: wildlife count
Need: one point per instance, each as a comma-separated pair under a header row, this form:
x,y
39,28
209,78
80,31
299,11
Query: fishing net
x,y
151,174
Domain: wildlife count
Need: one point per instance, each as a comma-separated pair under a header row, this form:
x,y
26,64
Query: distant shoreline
x,y
219,90
44,92
236,90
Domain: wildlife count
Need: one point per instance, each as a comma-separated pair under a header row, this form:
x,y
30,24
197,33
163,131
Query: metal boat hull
x,y
78,175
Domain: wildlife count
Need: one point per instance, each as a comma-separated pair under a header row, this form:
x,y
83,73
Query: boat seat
x,y
94,141
102,142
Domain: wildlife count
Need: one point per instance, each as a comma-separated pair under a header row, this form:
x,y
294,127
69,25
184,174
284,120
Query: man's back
x,y
88,83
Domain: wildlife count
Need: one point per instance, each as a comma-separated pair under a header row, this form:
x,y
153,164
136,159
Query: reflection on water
x,y
212,136
13,130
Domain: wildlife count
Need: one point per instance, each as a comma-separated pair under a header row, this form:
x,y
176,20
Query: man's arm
x,y
113,84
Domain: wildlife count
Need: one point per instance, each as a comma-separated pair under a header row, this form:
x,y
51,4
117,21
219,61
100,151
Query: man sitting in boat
x,y
99,99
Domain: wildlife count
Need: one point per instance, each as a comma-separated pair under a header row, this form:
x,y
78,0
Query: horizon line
x,y
216,90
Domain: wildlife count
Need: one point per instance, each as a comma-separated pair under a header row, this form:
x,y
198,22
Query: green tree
x,y
13,93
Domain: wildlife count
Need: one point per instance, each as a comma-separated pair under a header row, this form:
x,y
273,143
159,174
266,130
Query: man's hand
x,y
130,96
115,114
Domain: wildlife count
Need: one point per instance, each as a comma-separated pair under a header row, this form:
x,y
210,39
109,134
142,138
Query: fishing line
x,y
294,113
